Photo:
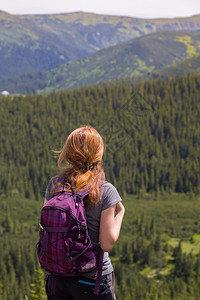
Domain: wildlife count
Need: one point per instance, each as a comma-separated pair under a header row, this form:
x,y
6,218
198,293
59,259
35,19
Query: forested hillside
x,y
156,122
190,65
152,153
131,59
30,43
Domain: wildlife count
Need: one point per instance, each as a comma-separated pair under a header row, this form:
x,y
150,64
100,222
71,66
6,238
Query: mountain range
x,y
63,51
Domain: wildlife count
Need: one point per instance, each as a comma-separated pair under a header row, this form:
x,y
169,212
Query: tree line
x,y
151,133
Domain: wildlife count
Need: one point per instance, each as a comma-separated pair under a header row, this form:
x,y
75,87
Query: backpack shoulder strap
x,y
99,272
83,194
63,188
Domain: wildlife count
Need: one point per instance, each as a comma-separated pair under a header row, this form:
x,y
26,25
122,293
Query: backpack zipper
x,y
80,225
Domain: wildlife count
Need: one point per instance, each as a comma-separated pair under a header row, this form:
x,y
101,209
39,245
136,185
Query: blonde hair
x,y
83,146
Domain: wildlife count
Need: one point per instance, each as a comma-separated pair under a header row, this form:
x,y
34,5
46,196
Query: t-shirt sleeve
x,y
110,196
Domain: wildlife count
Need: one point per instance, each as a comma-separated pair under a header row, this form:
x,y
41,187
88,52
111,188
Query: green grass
x,y
176,215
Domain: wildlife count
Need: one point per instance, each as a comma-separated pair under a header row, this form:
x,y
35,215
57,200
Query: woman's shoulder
x,y
110,195
108,187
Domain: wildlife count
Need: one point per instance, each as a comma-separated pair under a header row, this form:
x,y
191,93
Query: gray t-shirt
x,y
109,197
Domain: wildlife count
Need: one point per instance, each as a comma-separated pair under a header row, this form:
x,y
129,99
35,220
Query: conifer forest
x,y
151,132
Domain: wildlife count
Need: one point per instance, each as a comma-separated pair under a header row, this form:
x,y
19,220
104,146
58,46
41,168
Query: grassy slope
x,y
131,59
169,211
175,215
176,218
39,42
189,65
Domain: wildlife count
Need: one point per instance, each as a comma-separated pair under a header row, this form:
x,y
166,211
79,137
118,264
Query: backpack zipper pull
x,y
75,200
79,231
86,236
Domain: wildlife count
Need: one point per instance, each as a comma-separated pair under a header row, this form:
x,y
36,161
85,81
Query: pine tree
x,y
1,289
37,289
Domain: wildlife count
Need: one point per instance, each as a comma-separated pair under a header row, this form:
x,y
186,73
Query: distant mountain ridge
x,y
30,43
137,57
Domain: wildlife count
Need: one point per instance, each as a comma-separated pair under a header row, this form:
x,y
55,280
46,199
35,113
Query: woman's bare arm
x,y
110,225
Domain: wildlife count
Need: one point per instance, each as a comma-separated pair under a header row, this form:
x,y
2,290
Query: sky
x,y
133,8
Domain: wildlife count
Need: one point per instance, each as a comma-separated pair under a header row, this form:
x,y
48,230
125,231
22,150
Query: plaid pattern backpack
x,y
64,246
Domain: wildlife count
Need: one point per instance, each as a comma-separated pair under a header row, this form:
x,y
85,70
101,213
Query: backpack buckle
x,y
41,228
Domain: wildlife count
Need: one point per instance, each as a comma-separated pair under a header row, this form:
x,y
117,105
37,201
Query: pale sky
x,y
133,8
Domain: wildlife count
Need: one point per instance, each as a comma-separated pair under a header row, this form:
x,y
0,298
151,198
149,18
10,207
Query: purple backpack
x,y
64,247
